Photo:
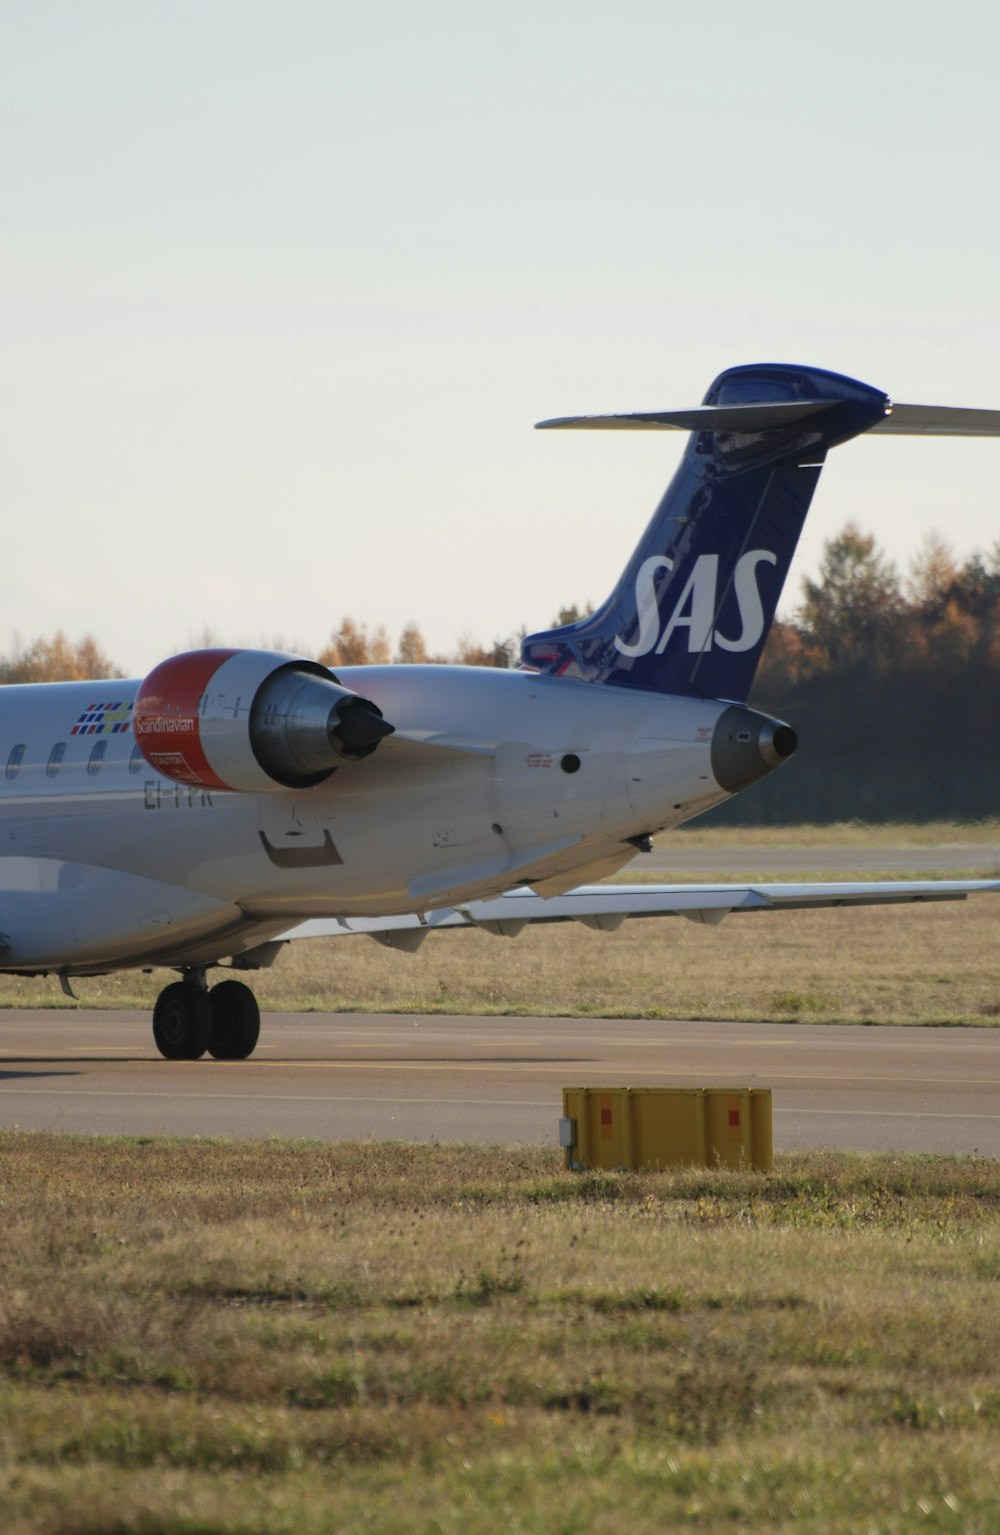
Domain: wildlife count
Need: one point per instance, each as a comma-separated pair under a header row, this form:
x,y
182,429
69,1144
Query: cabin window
x,y
135,762
96,758
14,760
56,756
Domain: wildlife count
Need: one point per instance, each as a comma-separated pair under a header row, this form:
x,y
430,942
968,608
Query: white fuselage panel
x,y
493,778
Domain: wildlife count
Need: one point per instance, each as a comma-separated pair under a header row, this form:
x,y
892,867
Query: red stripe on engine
x,y
167,721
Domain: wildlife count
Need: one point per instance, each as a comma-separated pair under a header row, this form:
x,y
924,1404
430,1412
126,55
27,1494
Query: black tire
x,y
235,1021
182,1021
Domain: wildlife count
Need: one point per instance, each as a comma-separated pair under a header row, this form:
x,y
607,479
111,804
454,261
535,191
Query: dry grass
x,y
237,1337
901,965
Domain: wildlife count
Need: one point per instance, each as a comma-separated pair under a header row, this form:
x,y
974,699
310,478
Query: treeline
x,y
57,660
351,644
891,682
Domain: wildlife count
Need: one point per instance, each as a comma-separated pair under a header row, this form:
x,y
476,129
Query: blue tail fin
x,y
694,605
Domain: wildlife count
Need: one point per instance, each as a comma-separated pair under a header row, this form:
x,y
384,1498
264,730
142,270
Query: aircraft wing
x,y
605,907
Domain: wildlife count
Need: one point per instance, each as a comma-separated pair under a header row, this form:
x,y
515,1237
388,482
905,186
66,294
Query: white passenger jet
x,y
234,799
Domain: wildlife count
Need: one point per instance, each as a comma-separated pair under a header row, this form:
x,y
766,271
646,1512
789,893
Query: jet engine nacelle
x,y
251,719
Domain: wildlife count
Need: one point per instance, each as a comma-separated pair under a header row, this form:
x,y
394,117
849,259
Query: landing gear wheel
x,y
182,1021
235,1021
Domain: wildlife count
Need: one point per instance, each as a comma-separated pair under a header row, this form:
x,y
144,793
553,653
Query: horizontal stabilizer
x,y
901,420
939,421
762,417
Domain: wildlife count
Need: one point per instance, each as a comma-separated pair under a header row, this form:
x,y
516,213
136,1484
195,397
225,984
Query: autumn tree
x,y
353,645
471,653
412,649
849,613
976,589
788,657
933,575
980,585
57,660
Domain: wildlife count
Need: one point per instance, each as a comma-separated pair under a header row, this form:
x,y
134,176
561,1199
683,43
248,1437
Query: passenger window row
x,y
58,752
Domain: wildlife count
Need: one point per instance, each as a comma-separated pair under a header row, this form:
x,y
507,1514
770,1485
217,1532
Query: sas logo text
x,y
696,607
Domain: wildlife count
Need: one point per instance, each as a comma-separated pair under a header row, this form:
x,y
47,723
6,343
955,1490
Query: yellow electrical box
x,y
606,1127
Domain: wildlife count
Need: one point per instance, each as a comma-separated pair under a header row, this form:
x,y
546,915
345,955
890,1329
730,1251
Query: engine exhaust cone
x,y
359,728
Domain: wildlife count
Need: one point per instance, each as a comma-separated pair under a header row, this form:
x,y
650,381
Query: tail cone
x,y
747,746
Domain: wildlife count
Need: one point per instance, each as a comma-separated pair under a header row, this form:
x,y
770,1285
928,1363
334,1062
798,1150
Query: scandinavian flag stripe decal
x,y
104,719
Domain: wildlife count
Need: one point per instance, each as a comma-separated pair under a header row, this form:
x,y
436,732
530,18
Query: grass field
x,y
289,1337
247,1338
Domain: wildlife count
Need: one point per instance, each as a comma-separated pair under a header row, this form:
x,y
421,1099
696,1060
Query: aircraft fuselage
x,y
492,778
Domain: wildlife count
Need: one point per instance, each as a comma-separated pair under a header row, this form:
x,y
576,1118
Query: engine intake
x,y
252,720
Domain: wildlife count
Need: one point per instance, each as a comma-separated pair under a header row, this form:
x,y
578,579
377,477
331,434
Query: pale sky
x,y
286,285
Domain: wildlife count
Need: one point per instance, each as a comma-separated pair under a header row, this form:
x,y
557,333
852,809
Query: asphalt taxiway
x,y
348,1076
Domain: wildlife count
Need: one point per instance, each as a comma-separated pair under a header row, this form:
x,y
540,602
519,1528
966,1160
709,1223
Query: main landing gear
x,y
188,1019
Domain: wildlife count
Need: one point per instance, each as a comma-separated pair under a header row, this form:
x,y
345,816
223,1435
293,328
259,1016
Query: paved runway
x,y
391,1077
